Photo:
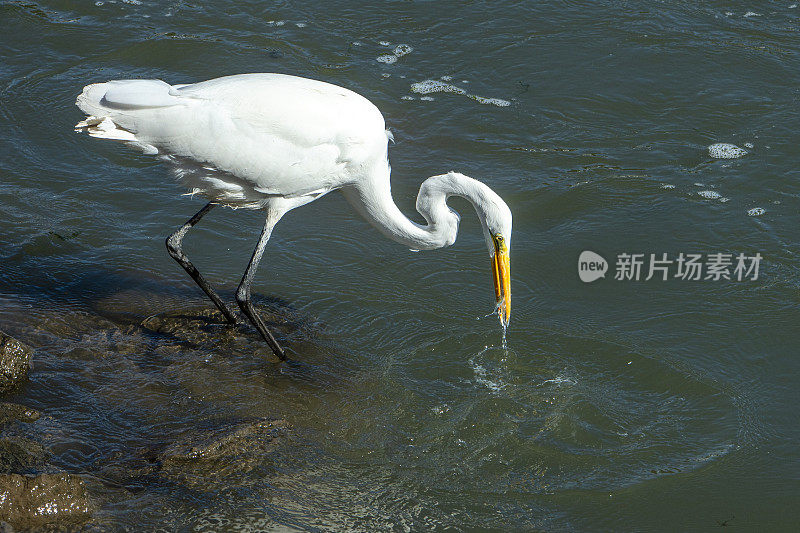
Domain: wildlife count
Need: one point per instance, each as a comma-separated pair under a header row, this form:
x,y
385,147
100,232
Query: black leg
x,y
243,292
175,250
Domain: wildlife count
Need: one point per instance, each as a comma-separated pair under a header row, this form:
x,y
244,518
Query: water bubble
x,y
725,151
711,195
494,101
403,50
439,86
399,51
558,380
482,377
435,86
440,409
756,212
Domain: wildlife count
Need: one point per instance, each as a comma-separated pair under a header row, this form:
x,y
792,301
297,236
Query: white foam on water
x,y
384,43
446,78
748,145
427,98
439,86
480,377
667,186
399,51
752,14
357,43
756,212
440,409
407,97
558,380
726,151
300,24
493,101
435,86
403,50
793,6
711,195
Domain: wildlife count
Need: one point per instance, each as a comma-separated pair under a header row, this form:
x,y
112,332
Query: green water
x,y
617,405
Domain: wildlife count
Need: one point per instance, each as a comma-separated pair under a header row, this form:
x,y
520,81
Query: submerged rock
x,y
10,412
15,360
207,328
232,444
184,323
195,327
32,502
209,459
223,457
18,454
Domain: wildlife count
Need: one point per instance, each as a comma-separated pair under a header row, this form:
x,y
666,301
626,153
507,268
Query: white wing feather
x,y
281,135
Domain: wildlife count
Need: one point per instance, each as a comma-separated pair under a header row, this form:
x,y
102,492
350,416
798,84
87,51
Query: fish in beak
x,y
501,274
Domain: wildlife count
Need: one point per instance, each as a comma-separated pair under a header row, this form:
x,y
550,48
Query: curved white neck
x,y
372,198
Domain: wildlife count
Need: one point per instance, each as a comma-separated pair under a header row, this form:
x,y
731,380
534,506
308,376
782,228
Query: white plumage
x,y
276,142
238,138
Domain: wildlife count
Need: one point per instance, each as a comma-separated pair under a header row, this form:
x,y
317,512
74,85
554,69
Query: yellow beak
x,y
501,274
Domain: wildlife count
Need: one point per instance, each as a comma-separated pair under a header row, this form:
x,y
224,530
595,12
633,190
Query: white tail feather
x,y
114,103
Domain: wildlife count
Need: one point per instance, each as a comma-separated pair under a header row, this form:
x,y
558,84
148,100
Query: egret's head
x,y
495,217
497,229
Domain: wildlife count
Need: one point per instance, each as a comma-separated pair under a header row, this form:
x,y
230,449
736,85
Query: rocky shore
x,y
39,488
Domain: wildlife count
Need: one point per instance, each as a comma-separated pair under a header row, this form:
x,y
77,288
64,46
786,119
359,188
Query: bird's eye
x,y
500,238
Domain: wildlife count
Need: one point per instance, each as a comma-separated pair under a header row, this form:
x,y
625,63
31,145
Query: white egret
x,y
276,142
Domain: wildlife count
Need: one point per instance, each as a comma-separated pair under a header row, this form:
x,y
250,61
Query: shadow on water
x,y
151,396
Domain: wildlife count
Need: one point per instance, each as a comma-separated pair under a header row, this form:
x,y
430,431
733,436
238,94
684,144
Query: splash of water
x,y
498,311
